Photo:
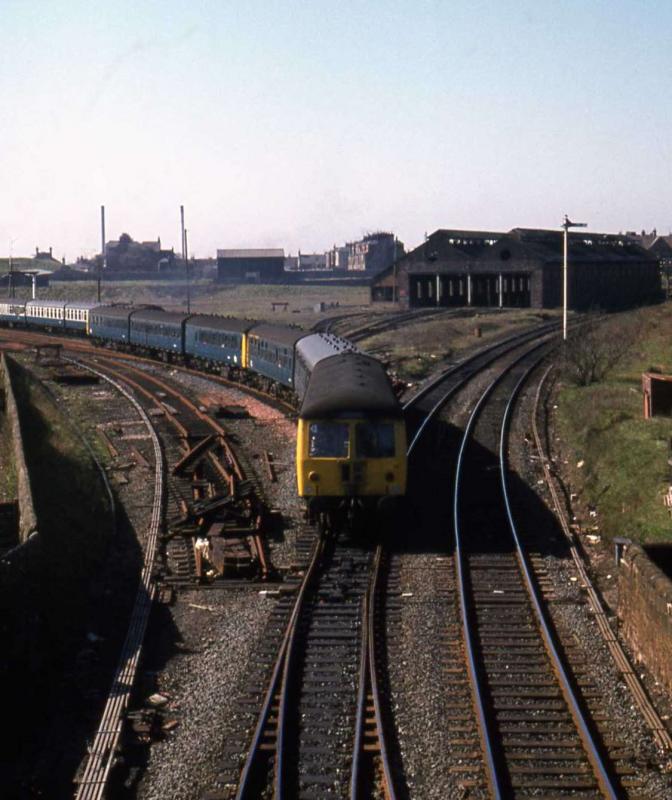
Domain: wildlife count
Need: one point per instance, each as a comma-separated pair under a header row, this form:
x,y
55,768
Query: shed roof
x,y
521,248
349,382
252,253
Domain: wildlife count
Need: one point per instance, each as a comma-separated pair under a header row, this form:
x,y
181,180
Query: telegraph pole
x,y
10,275
566,225
184,252
186,266
103,262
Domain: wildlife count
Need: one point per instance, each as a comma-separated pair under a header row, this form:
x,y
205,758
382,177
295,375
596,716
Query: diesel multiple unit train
x,y
351,438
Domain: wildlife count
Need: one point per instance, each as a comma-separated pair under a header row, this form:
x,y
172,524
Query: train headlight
x,y
389,477
314,477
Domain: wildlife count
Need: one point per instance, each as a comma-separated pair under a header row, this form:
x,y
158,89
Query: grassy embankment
x,y
625,471
247,301
8,487
71,504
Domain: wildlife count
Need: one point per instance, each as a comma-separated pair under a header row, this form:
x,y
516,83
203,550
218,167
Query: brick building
x,y
521,268
251,265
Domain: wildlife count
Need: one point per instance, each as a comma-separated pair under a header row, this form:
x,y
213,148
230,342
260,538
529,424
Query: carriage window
x,y
329,440
374,440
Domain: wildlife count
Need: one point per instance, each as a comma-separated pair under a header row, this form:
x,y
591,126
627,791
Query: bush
x,y
598,345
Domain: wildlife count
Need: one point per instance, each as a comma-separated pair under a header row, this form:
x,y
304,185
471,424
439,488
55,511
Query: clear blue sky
x,y
305,124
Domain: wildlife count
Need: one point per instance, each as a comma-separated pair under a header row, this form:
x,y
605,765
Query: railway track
x,y
326,727
392,323
329,705
525,716
171,491
102,753
537,736
321,731
224,470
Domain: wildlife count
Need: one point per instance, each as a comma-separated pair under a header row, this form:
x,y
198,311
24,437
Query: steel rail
x,y
590,746
491,354
247,773
175,393
102,752
640,696
289,658
360,721
279,669
216,462
375,327
493,777
368,676
516,338
389,788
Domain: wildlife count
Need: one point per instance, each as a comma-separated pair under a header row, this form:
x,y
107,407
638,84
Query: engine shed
x,y
521,269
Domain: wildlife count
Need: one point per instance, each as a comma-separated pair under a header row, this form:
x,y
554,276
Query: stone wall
x,y
27,515
645,612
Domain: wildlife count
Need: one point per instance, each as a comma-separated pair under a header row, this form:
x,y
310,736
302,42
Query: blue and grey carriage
x,y
212,340
13,312
47,314
270,352
77,315
111,323
157,330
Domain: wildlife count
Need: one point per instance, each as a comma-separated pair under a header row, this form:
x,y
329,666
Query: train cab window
x,y
374,440
328,440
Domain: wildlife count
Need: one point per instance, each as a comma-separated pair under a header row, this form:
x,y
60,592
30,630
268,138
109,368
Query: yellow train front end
x,y
351,443
347,458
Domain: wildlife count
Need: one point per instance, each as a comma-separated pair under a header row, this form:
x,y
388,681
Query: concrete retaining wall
x,y
27,515
645,612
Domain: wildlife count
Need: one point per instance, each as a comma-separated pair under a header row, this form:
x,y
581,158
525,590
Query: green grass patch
x,y
8,481
625,471
70,499
206,297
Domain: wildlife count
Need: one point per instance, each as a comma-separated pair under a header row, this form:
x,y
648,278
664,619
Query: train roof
x,y
115,312
215,322
279,334
45,304
85,305
158,315
349,382
315,346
